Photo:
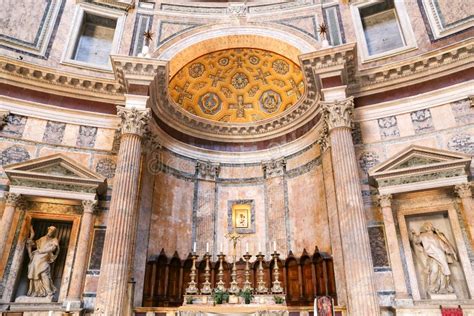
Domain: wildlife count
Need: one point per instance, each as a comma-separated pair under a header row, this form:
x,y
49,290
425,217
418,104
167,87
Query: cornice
x,y
441,62
31,76
173,115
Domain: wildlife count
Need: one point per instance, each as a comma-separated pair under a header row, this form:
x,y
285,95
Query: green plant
x,y
220,296
278,299
247,295
189,300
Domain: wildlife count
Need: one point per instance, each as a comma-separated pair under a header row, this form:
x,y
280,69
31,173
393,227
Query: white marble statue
x,y
435,253
39,268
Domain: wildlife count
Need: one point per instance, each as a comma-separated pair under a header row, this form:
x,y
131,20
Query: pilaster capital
x,y
133,121
208,170
13,199
89,206
385,200
274,168
338,113
3,117
463,190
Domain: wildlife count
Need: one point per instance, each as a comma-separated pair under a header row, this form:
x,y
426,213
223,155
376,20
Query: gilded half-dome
x,y
238,85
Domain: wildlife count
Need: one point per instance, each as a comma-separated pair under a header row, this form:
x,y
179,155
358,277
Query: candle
x,y
274,246
222,248
50,313
207,247
247,247
68,307
194,247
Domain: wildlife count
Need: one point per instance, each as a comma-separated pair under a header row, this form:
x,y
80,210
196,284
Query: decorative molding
x,y
31,76
338,113
133,121
207,171
124,5
274,168
323,139
135,71
290,22
463,190
186,26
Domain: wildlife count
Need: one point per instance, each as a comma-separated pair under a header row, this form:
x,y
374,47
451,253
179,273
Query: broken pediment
x,y
54,174
417,168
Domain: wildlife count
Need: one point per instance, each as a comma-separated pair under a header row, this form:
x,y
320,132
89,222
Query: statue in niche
x,y
435,252
41,258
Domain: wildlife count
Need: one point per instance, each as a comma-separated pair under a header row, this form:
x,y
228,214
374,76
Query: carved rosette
x,y
385,200
89,205
338,113
463,190
207,170
133,121
13,199
274,168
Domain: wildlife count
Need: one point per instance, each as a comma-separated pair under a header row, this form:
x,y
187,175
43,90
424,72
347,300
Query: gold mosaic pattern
x,y
238,85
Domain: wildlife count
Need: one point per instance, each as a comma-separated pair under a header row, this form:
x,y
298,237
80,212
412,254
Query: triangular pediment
x,y
414,157
55,172
418,167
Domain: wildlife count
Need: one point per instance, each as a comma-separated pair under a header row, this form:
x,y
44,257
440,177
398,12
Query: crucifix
x,y
240,106
183,93
262,75
216,78
234,286
295,88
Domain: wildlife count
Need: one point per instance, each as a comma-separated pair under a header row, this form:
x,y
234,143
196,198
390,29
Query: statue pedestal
x,y
442,297
33,300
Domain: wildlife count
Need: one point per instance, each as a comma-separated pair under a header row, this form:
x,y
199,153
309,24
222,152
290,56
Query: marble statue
x,y
435,253
39,268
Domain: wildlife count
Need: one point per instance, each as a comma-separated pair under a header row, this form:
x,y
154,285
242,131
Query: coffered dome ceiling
x,y
238,85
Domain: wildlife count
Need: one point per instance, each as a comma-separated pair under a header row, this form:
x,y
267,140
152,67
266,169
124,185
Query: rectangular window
x,y
381,28
95,40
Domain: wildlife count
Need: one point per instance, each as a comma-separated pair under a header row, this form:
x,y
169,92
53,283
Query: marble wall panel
x,y
463,112
86,137
71,133
104,139
171,219
54,132
204,214
34,129
443,117
303,158
236,172
388,127
378,247
174,161
308,213
15,126
105,165
277,218
422,121
11,152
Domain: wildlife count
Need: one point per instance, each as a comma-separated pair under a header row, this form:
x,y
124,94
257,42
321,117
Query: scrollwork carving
x,y
338,113
133,121
463,190
13,199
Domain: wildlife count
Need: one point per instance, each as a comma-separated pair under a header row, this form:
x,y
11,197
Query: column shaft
x,y
465,194
362,297
112,289
82,252
12,201
393,247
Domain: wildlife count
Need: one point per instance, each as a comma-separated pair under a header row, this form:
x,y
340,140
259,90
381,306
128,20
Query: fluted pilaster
x,y
12,201
465,194
82,252
121,227
362,297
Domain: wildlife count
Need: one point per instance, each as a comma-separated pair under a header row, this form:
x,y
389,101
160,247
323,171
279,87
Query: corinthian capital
x,y
12,199
3,117
385,200
338,113
133,121
463,190
89,205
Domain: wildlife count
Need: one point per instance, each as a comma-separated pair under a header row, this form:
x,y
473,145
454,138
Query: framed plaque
x,y
241,215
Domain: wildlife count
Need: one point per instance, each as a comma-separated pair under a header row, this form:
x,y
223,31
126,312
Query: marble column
x,y
362,297
401,291
465,194
82,253
12,200
112,291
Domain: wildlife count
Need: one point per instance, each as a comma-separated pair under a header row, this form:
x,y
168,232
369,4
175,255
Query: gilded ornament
x,y
270,101
210,103
281,66
196,70
224,61
240,80
254,60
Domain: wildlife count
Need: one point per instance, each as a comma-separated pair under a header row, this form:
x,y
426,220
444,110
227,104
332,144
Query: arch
x,y
206,39
293,280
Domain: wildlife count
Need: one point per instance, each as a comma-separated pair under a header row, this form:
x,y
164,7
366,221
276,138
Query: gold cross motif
x,y
262,75
295,88
216,78
240,106
239,62
183,93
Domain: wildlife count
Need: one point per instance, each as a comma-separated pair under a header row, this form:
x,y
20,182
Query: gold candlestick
x,y
192,287
206,286
261,286
220,274
247,284
276,285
